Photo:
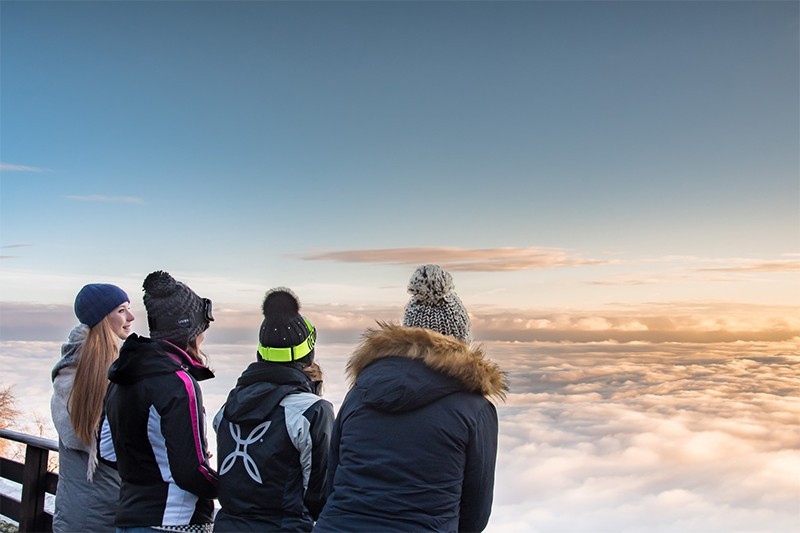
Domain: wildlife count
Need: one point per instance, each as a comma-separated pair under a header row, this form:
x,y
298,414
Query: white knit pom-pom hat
x,y
434,303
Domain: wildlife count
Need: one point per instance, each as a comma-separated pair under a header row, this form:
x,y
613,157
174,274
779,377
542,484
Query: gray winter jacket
x,y
86,497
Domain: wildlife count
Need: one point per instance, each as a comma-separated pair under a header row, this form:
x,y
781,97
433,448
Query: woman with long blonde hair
x,y
87,492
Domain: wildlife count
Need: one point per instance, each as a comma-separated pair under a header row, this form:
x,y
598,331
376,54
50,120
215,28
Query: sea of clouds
x,y
594,436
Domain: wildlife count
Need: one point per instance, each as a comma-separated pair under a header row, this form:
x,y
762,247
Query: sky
x,y
614,186
553,155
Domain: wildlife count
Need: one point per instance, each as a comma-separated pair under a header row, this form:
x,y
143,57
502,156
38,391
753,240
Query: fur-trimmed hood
x,y
462,363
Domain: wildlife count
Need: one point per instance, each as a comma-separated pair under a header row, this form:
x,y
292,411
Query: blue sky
x,y
552,154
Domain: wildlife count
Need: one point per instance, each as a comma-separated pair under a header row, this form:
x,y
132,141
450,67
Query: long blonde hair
x,y
99,350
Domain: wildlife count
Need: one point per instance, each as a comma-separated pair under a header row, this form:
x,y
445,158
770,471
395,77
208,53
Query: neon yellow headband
x,y
291,353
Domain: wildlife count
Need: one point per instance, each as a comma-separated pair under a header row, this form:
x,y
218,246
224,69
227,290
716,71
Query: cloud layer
x,y
649,437
663,322
635,437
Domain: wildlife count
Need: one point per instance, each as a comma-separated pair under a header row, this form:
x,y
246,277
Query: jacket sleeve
x,y
177,433
321,428
333,454
106,453
478,488
59,410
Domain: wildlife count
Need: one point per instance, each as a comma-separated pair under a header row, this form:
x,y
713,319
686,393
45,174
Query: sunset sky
x,y
615,187
555,156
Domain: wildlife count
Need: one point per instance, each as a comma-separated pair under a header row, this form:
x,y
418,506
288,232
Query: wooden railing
x,y
36,481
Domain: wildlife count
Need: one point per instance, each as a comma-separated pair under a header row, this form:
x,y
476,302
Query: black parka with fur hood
x,y
414,446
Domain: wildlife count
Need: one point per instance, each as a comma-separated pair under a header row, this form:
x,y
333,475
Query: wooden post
x,y
33,490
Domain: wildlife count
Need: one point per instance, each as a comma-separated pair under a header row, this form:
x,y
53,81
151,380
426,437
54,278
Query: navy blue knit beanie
x,y
96,300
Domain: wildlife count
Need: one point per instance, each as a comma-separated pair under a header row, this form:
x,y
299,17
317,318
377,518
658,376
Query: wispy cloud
x,y
694,269
106,199
757,266
3,257
465,260
667,279
10,167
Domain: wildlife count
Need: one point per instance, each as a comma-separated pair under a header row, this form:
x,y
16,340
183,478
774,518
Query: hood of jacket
x,y
70,350
260,389
141,357
63,377
399,368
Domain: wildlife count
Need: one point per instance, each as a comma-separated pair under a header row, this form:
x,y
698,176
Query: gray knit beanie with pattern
x,y
435,305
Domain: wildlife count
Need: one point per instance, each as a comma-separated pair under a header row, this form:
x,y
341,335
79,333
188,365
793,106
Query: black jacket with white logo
x,y
154,433
273,435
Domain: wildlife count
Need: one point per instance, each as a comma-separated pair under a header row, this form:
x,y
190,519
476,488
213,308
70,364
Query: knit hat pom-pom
x,y
430,284
159,284
280,302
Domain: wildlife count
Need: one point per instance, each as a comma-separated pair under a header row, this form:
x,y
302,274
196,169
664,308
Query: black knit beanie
x,y
174,312
285,335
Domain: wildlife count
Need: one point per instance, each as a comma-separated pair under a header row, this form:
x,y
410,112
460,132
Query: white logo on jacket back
x,y
241,449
